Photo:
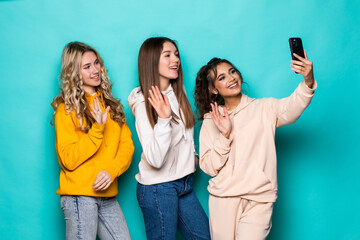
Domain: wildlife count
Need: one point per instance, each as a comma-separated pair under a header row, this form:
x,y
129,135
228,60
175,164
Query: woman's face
x,y
227,82
169,62
90,71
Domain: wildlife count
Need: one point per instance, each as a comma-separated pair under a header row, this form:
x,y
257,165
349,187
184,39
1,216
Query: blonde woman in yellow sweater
x,y
93,145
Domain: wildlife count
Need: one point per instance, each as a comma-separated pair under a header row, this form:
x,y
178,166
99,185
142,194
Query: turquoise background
x,y
318,156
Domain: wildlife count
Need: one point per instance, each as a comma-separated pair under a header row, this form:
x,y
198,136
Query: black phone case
x,y
296,47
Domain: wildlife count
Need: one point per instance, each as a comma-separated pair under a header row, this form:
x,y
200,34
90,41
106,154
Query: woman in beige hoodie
x,y
237,146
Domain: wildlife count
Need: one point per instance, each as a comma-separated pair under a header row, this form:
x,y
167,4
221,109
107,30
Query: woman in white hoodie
x,y
237,146
164,124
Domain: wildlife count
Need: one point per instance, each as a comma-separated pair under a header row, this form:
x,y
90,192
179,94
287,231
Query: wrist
x,y
309,82
164,116
226,135
100,123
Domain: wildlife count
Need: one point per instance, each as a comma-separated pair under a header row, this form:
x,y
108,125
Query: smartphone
x,y
296,47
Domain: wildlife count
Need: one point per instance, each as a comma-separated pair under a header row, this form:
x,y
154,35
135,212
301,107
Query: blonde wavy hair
x,y
72,93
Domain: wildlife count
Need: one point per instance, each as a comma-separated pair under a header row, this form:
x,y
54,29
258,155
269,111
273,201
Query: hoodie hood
x,y
90,98
135,98
244,102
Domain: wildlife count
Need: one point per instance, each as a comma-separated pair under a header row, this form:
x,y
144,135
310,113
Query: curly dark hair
x,y
204,81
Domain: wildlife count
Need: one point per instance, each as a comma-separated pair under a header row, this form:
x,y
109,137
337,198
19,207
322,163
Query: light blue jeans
x,y
87,216
170,206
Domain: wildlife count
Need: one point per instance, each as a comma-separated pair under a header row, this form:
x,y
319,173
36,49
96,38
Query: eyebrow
x,y
230,69
169,51
220,75
90,63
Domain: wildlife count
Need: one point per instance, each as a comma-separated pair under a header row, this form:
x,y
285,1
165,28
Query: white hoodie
x,y
168,149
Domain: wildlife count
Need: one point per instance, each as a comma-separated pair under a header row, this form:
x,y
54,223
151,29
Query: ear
x,y
213,90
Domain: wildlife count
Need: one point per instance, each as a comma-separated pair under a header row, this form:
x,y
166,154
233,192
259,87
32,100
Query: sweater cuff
x,y
164,120
97,130
162,124
112,173
306,90
225,142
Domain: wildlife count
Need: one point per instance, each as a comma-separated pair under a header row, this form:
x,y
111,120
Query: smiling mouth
x,y
233,85
96,77
174,68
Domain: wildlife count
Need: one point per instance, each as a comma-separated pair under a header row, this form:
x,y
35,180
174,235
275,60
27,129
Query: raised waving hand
x,y
97,112
160,104
223,123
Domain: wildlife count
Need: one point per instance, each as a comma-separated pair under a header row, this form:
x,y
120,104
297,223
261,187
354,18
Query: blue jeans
x,y
171,205
87,216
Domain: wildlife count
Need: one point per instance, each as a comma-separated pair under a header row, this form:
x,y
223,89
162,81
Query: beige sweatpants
x,y
238,218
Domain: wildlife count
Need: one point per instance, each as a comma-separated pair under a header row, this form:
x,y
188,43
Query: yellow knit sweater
x,y
83,155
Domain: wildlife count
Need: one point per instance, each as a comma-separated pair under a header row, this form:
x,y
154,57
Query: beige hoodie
x,y
245,164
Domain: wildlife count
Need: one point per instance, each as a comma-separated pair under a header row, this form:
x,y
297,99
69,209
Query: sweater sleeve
x,y
72,150
155,142
124,154
288,110
214,153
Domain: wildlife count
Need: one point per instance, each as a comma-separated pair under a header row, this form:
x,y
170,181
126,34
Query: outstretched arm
x,y
289,109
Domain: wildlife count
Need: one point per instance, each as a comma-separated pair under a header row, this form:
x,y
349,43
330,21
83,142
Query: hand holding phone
x,y
303,65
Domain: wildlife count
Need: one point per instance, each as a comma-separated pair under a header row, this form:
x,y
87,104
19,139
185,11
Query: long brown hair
x,y
148,62
204,82
72,93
